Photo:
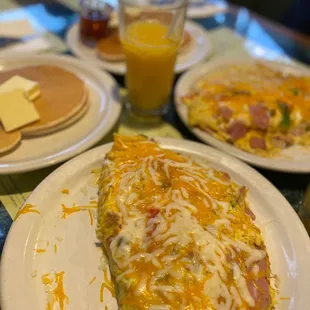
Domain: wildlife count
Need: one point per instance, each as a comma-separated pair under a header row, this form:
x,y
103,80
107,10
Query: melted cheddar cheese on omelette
x,y
178,234
252,106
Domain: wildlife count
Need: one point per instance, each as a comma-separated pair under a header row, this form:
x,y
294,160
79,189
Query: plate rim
x,y
193,12
255,160
9,250
121,72
113,106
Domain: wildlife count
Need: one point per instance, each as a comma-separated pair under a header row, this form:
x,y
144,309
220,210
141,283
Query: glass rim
x,y
158,7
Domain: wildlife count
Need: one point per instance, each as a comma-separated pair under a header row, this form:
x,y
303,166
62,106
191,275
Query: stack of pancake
x,y
63,101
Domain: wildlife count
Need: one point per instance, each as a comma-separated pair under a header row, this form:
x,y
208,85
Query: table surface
x,y
57,17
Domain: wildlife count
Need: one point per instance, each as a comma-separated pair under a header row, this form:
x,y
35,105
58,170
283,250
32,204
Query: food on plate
x,y
38,100
8,140
178,234
110,47
76,117
16,110
252,106
63,95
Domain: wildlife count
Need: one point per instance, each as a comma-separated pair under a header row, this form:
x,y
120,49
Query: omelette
x,y
178,234
252,106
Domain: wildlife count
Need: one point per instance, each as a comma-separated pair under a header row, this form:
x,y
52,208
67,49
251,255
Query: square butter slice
x,y
16,111
31,88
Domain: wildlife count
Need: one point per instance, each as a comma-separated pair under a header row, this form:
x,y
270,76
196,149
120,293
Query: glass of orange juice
x,y
151,32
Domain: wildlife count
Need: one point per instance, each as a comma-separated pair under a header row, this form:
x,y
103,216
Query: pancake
x,y
63,95
63,125
110,47
8,140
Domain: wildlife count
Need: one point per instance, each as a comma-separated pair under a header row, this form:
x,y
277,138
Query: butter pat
x,y
31,88
16,111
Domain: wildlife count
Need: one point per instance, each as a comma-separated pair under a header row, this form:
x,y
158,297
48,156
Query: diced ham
x,y
241,194
249,212
241,198
153,212
259,287
258,143
226,176
226,113
259,116
237,130
282,141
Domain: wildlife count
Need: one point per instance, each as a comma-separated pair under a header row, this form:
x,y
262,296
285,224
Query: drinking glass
x,y
151,33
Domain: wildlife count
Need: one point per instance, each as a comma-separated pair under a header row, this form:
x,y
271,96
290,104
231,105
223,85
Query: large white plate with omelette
x,y
199,50
45,243
294,159
101,116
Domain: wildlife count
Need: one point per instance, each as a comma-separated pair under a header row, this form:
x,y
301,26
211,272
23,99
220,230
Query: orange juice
x,y
150,57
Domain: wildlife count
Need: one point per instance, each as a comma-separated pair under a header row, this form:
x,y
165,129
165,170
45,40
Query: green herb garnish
x,y
285,123
295,91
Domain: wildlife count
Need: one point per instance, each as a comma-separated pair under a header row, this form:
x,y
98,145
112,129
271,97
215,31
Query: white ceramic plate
x,y
294,159
21,269
200,50
205,8
103,112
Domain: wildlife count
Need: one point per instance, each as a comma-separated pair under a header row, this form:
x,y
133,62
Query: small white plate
x,y
199,51
294,159
102,114
287,242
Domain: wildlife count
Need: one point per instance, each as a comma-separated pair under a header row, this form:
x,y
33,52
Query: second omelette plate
x,y
201,49
294,159
102,114
52,240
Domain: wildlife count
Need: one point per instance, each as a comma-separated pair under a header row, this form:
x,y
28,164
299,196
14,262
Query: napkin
x,y
16,188
16,28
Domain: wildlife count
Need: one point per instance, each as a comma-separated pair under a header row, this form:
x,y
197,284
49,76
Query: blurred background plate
x,y
200,49
102,114
293,159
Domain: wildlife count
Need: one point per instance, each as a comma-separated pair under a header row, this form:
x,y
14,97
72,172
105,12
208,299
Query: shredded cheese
x,y
67,210
106,284
178,233
54,288
28,208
